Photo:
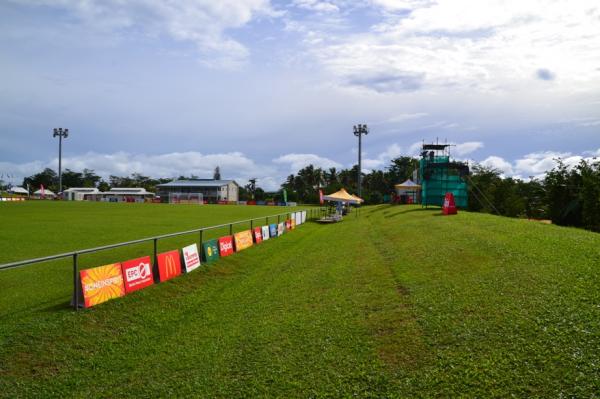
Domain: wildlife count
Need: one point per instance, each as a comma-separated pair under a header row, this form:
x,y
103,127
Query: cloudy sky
x,y
262,87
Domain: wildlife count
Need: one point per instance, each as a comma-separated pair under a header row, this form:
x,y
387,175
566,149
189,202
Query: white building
x,y
211,190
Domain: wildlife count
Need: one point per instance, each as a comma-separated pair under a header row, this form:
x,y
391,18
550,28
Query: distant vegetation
x,y
568,196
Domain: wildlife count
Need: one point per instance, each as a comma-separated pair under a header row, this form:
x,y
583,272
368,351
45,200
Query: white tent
x,y
47,193
18,190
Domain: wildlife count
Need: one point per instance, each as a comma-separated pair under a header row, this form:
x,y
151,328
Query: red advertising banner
x,y
258,235
101,284
449,207
137,274
243,240
226,246
191,258
288,225
169,265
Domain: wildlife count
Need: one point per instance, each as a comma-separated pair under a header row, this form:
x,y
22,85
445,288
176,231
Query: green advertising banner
x,y
210,250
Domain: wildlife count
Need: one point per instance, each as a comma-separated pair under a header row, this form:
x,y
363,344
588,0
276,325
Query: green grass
x,y
396,303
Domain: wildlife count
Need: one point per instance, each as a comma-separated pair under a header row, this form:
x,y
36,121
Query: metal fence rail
x,y
311,213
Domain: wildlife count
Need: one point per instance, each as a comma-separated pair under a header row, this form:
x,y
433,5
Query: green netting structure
x,y
440,176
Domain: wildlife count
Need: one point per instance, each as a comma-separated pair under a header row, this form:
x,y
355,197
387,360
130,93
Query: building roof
x,y
197,183
18,190
87,190
128,191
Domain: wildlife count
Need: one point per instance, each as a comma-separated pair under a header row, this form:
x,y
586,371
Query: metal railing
x,y
311,213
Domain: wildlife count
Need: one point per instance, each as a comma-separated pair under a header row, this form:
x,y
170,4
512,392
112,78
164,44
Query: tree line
x,y
568,196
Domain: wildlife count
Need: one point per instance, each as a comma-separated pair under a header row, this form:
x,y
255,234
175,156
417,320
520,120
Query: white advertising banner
x,y
265,232
191,258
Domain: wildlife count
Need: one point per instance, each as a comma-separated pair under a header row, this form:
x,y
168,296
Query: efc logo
x,y
137,274
226,246
169,265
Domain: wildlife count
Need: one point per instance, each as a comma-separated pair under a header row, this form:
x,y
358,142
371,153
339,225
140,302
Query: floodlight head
x,y
66,133
55,132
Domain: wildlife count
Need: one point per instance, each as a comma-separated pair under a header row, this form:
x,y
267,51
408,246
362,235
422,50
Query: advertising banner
x,y
280,229
169,265
303,216
298,218
243,240
288,225
101,284
273,230
265,233
191,258
225,246
137,274
211,250
293,224
258,235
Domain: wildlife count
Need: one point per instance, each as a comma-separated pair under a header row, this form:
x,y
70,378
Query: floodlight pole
x,y
60,132
359,130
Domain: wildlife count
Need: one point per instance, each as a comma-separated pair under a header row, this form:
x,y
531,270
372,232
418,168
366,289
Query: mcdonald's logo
x,y
169,265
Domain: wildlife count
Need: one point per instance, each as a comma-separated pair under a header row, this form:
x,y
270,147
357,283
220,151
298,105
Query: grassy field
x,y
399,302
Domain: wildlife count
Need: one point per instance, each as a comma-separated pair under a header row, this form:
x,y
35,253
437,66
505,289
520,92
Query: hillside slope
x,y
398,302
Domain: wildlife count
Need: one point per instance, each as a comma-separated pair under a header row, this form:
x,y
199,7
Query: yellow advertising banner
x,y
242,240
101,284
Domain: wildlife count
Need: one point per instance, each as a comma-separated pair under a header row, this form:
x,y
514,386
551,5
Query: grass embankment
x,y
398,302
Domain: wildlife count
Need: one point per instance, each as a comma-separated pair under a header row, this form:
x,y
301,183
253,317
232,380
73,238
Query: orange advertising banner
x,y
101,284
242,240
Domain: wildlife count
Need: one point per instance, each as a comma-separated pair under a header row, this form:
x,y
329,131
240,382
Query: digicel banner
x,y
265,233
169,265
243,240
288,225
137,274
191,258
211,250
258,235
225,246
101,284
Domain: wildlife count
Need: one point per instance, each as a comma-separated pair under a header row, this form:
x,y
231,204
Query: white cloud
x,y
298,161
316,5
490,46
498,163
201,22
391,152
406,117
466,148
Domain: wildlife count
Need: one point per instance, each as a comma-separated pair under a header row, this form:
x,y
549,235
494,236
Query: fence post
x,y
75,293
251,224
267,220
201,231
230,229
155,252
278,218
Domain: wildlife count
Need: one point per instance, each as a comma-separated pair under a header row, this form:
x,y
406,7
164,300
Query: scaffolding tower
x,y
439,175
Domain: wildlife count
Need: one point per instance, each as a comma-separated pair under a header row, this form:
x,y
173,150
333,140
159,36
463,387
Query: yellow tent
x,y
342,196
357,198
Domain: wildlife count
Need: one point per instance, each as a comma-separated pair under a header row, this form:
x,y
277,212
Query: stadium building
x,y
209,190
